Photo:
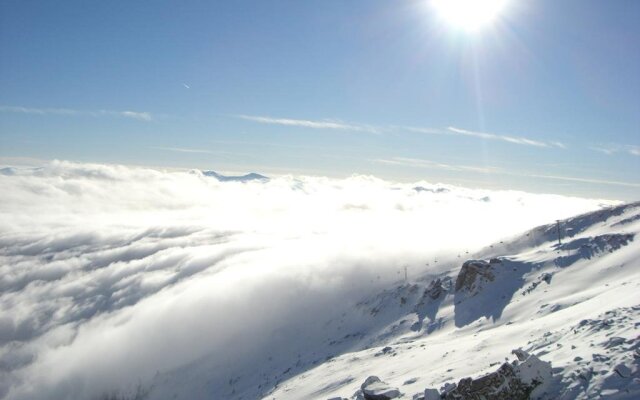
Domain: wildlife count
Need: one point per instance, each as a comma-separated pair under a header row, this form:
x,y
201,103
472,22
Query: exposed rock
x,y
435,289
533,371
431,394
512,381
374,389
614,341
447,388
546,277
502,384
623,371
520,354
243,178
410,381
470,272
589,247
388,350
432,190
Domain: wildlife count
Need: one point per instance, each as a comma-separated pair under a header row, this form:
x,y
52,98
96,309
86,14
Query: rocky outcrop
x,y
592,246
471,272
512,381
431,394
374,389
500,385
435,289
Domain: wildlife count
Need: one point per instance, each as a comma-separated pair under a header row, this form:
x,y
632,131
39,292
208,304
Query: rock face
x,y
435,289
471,271
374,389
500,385
512,381
431,394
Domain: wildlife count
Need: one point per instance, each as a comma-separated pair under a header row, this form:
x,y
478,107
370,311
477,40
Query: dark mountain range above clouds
x,y
236,178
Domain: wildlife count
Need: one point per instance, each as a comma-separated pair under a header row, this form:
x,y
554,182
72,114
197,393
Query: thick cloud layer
x,y
112,275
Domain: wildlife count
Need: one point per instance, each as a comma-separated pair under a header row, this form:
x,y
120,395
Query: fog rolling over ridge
x,y
113,277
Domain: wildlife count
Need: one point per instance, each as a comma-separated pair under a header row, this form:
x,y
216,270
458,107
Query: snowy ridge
x,y
575,305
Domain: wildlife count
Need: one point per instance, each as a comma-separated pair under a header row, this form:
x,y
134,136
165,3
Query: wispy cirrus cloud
x,y
611,149
489,136
504,138
139,115
451,130
183,150
421,163
581,180
314,124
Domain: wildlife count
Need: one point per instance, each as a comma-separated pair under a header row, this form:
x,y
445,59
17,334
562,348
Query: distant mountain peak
x,y
236,178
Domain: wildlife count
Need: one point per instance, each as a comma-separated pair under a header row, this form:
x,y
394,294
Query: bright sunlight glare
x,y
469,15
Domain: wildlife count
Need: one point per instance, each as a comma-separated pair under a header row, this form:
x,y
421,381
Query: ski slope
x,y
575,305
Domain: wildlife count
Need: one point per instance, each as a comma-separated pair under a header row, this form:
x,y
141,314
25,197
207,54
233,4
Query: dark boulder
x,y
471,271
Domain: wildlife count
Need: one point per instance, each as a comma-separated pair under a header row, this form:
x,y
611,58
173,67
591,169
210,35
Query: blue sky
x,y
546,99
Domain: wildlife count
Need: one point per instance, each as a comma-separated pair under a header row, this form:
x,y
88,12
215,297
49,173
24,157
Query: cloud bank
x,y
111,276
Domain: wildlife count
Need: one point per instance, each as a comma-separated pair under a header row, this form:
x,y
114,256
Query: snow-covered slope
x,y
574,304
119,282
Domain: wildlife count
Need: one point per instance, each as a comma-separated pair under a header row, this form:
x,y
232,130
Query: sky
x,y
546,98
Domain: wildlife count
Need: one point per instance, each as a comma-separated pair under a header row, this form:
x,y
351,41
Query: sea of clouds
x,y
111,275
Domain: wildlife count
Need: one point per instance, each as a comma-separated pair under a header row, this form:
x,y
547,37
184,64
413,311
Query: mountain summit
x,y
236,178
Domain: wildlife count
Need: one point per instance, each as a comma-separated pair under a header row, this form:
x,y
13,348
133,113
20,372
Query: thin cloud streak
x,y
558,144
451,130
183,150
504,138
488,136
420,163
582,180
142,116
311,123
617,148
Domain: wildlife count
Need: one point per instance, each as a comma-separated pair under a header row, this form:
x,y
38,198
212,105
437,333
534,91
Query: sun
x,y
469,15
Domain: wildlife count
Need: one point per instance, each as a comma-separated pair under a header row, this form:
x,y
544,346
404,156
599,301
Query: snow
x,y
582,323
374,389
123,280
